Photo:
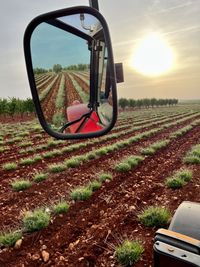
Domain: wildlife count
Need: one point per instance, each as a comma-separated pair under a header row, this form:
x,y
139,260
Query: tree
x,y
139,103
12,106
123,102
153,102
57,68
146,102
39,71
29,105
3,106
132,103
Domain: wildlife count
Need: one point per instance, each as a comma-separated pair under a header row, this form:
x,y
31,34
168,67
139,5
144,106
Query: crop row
x,y
46,91
77,160
75,147
148,213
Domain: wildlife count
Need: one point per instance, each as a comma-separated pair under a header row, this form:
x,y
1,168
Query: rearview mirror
x,y
71,73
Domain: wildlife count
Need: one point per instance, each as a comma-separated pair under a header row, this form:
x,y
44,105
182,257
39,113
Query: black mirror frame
x,y
27,52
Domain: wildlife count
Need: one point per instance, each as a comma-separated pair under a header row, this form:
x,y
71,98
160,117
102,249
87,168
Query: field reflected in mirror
x,y
62,53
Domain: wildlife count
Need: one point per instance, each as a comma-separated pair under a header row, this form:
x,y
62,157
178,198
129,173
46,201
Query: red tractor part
x,y
86,124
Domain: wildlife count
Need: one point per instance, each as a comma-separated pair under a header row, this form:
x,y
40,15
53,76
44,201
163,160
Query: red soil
x,y
86,235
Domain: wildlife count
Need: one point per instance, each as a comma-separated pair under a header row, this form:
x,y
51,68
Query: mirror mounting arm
x,y
94,63
94,4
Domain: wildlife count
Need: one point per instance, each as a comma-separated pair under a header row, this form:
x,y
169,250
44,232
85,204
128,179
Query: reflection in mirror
x,y
69,58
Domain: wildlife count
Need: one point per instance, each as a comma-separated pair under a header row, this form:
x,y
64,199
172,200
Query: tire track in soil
x,y
93,218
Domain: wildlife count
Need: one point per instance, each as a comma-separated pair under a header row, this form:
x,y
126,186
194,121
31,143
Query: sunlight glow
x,y
153,56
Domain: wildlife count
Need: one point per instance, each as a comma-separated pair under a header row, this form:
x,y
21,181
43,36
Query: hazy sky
x,y
48,40
177,21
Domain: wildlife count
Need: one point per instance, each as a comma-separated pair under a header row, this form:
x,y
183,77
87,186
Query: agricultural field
x,y
82,203
59,91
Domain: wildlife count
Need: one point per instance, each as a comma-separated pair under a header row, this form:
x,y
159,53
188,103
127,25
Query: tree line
x,y
13,106
146,102
58,68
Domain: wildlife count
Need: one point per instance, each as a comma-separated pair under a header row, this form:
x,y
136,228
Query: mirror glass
x,y
70,66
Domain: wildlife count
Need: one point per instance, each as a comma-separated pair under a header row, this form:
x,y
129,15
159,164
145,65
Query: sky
x,y
48,46
176,21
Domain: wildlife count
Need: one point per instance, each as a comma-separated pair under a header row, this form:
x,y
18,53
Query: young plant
x,y
81,193
52,142
21,184
54,168
94,185
105,176
91,155
2,149
27,161
10,166
155,217
129,252
37,158
73,162
155,147
193,156
147,151
24,144
61,207
51,154
175,182
128,163
39,177
179,179
8,239
123,167
185,175
133,161
101,151
36,220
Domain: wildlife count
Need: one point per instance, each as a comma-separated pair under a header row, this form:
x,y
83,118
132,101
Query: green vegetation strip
x,y
20,184
58,117
9,238
74,147
193,156
76,161
46,91
61,207
179,179
129,252
154,147
128,163
10,166
36,220
101,151
43,83
155,217
84,96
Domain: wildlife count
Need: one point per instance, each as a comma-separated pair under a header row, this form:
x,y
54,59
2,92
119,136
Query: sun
x,y
153,56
